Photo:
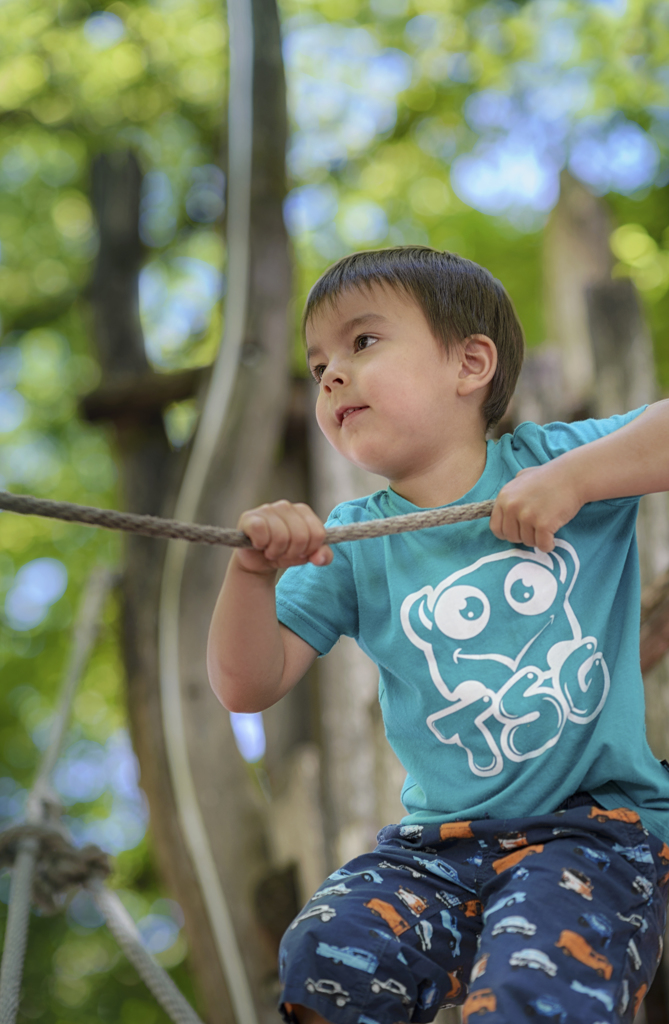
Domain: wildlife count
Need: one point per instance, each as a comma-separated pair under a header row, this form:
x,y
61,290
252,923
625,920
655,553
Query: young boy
x,y
529,876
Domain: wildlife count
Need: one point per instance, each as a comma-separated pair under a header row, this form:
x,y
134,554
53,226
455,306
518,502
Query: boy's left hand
x,y
531,508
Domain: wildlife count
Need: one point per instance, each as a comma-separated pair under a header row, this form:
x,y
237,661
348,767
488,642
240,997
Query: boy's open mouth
x,y
348,410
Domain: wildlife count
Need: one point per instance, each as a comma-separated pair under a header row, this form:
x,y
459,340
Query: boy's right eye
x,y
317,372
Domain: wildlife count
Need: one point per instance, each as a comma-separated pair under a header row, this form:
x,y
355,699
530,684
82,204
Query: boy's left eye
x,y
364,341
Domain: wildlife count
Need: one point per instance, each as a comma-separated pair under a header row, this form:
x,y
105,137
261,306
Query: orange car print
x,y
512,858
637,998
456,984
664,854
573,944
483,1001
617,814
393,919
472,908
456,830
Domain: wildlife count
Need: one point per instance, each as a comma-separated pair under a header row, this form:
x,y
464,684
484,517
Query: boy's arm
x,y
631,460
252,659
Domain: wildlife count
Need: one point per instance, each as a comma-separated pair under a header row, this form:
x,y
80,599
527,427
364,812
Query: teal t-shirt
x,y
509,678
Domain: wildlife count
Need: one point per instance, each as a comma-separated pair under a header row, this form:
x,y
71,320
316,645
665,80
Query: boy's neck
x,y
448,479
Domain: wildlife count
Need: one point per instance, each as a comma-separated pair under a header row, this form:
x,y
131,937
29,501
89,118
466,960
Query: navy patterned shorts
x,y
558,918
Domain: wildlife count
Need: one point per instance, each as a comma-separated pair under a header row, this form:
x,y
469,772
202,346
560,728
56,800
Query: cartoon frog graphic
x,y
505,650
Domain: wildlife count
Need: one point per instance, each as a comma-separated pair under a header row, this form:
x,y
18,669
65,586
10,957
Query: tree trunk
x,y
231,802
602,363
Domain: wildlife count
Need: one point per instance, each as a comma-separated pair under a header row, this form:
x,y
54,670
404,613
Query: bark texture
x,y
600,362
262,899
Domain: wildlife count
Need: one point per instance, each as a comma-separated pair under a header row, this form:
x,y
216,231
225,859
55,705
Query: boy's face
x,y
388,391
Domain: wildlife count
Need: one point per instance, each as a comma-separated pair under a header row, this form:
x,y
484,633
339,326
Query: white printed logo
x,y
512,701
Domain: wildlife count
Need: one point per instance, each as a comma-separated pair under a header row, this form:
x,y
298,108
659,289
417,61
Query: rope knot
x,y
60,866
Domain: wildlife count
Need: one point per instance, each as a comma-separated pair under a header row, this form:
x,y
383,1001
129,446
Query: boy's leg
x,y
574,918
387,939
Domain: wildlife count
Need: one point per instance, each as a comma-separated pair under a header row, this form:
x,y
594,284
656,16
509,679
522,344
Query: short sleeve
x,y
555,439
320,603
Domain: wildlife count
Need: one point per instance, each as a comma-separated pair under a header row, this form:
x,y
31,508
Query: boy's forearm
x,y
245,653
632,460
541,499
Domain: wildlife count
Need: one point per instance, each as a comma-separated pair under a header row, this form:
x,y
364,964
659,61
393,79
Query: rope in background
x,y
46,864
196,533
123,928
40,801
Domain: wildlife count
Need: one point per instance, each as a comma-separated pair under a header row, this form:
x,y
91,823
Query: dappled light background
x,y
443,122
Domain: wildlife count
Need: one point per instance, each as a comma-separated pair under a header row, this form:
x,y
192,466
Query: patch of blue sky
x,y
342,90
423,30
249,733
176,299
363,222
37,585
122,829
12,801
490,109
559,43
103,30
309,207
81,774
542,124
504,176
12,410
18,166
10,366
556,100
205,199
88,770
157,210
437,139
83,911
614,7
158,932
389,8
619,157
33,460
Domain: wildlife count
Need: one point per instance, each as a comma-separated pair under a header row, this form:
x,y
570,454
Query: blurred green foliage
x,y
78,78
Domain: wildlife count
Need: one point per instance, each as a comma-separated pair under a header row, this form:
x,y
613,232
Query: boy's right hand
x,y
282,534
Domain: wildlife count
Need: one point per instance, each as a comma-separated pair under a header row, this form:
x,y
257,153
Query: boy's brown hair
x,y
457,297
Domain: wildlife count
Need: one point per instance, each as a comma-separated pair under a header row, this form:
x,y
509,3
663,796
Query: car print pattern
x,y
516,920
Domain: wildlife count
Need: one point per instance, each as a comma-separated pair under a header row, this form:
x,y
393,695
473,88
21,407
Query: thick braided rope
x,y
16,932
123,928
172,529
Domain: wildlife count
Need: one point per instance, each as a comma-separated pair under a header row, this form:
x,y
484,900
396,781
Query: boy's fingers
x,y
323,556
545,540
256,528
528,535
280,535
298,533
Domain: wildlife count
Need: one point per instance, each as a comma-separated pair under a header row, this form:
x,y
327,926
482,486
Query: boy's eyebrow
x,y
360,321
356,321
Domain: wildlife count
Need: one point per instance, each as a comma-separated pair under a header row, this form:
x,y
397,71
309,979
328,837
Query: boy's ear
x,y
478,362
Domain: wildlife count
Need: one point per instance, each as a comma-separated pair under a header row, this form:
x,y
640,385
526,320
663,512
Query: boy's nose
x,y
333,377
